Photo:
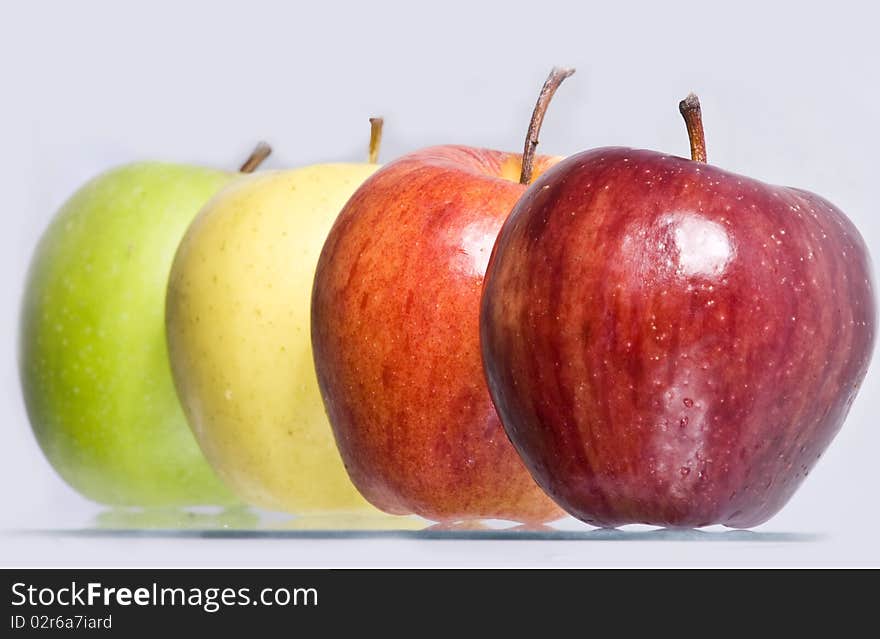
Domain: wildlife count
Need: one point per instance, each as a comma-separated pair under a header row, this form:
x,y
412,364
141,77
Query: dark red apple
x,y
395,334
670,343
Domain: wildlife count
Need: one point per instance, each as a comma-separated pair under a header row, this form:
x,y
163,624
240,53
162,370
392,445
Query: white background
x,y
790,95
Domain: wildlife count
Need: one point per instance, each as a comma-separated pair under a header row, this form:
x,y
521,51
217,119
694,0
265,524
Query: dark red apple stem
x,y
557,75
256,158
693,118
375,138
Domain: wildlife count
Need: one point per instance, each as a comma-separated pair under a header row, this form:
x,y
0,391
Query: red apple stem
x,y
256,158
375,138
693,118
557,75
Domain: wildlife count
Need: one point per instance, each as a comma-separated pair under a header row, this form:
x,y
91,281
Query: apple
x,y
670,343
395,334
237,319
93,362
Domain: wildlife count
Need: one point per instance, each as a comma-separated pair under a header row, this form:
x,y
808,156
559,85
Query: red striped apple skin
x,y
672,344
395,335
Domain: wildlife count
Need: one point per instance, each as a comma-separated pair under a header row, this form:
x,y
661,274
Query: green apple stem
x,y
693,118
375,138
557,75
256,158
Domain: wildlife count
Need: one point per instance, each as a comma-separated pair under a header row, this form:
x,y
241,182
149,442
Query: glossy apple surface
x,y
670,343
238,335
395,335
93,361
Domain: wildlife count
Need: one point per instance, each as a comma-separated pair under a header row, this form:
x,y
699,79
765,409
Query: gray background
x,y
789,92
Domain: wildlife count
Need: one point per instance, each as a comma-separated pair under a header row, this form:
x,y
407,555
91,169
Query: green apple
x,y
237,317
93,359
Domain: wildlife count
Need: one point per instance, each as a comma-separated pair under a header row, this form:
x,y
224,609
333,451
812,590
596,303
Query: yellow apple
x,y
237,319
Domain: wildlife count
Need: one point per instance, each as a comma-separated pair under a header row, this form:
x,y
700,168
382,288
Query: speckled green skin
x,y
93,360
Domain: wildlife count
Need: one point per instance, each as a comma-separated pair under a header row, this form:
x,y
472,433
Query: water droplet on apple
x,y
688,402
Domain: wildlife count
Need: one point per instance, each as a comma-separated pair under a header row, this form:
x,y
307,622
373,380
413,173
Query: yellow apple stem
x,y
557,75
375,138
693,118
256,158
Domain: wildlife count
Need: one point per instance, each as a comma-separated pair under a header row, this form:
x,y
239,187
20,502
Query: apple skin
x,y
93,362
237,322
395,335
669,343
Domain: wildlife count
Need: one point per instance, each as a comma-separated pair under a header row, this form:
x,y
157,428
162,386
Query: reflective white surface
x,y
88,85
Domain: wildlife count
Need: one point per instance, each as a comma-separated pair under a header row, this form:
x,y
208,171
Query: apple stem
x,y
693,118
256,158
557,75
375,139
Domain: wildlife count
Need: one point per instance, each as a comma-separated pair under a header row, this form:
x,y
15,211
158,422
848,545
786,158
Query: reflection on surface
x,y
213,518
474,247
243,518
703,246
247,523
465,525
533,528
354,522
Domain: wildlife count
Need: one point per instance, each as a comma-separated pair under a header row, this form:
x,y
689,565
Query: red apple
x,y
670,343
395,334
